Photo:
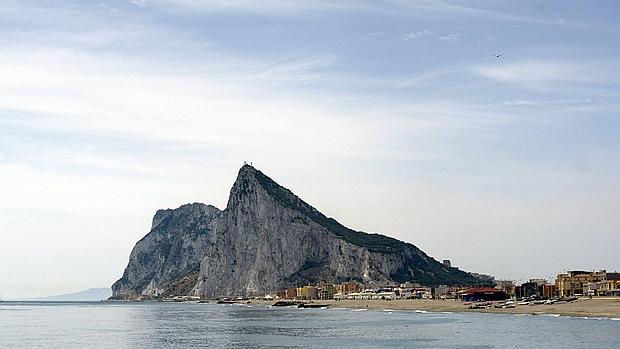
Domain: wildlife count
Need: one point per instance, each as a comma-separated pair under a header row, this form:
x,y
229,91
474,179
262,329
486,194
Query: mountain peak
x,y
249,178
267,239
246,169
244,186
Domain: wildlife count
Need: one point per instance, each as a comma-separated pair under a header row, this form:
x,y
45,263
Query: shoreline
x,y
607,307
580,308
590,308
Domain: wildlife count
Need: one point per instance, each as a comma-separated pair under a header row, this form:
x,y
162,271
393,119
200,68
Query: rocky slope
x,y
266,239
167,260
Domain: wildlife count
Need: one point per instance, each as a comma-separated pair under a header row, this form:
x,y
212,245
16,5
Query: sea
x,y
191,325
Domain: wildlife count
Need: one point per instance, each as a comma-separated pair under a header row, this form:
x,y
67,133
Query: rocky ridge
x,y
266,239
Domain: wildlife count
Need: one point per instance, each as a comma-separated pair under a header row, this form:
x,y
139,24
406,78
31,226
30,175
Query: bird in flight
x,y
499,55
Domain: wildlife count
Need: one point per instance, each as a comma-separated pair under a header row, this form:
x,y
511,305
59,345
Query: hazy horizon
x,y
391,116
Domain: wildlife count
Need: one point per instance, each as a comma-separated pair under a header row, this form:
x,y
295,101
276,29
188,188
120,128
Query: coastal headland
x,y
267,239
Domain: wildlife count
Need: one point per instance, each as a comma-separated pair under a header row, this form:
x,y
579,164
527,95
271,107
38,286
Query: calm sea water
x,y
180,325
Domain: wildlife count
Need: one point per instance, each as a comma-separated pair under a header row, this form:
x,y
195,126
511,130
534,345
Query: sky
x,y
391,116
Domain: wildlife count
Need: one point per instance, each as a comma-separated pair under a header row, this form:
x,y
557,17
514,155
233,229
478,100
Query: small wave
x,y
552,315
388,310
340,308
359,309
615,319
421,311
447,312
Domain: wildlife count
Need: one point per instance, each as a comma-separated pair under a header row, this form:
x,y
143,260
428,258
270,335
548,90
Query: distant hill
x,y
92,294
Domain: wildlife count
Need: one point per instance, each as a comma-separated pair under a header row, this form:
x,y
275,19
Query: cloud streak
x,y
417,35
452,38
269,7
541,73
420,8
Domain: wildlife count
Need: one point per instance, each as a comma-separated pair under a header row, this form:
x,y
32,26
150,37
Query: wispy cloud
x,y
452,38
420,8
111,92
268,7
539,102
417,35
489,14
108,7
538,73
443,8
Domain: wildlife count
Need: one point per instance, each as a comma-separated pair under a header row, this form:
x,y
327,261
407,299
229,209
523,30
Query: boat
x,y
312,305
286,303
226,301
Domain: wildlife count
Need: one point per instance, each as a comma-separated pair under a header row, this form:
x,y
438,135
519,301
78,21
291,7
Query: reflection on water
x,y
180,325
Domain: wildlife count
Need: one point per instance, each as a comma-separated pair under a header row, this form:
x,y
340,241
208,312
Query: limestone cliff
x,y
167,260
265,240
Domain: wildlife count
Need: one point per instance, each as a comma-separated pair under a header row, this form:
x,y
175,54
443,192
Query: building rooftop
x,y
613,276
479,290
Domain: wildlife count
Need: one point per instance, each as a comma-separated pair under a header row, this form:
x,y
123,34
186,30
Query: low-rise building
x,y
529,289
348,287
507,286
535,288
307,293
289,293
326,292
390,295
482,294
340,296
549,291
579,282
360,296
441,291
610,286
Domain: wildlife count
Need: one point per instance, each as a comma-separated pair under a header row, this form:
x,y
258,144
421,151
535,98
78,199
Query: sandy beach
x,y
597,307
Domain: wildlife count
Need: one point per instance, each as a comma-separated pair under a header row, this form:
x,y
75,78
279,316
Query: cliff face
x,y
266,239
167,260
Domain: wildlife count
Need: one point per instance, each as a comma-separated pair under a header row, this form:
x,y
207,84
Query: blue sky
x,y
391,116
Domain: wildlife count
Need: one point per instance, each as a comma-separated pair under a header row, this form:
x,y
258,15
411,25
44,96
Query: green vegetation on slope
x,y
418,266
373,242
